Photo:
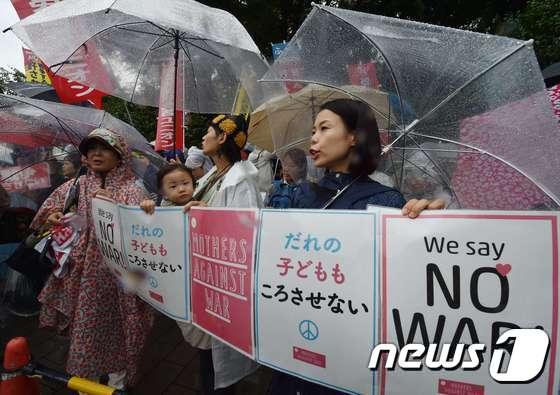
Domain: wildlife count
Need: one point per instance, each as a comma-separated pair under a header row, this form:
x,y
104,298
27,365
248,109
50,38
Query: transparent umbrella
x,y
36,136
463,105
134,49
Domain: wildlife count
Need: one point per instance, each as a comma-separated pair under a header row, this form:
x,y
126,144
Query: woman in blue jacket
x,y
345,142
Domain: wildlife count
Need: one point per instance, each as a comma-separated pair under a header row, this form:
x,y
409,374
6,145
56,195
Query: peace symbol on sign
x,y
308,330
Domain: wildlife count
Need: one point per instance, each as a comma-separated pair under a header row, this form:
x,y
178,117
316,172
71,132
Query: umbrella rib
x,y
140,68
397,181
474,78
152,48
458,90
484,152
435,150
187,54
397,90
170,32
421,169
442,172
110,7
67,129
429,175
183,36
142,32
102,31
202,49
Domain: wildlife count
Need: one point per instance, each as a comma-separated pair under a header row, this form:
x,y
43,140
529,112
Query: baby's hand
x,y
193,203
148,205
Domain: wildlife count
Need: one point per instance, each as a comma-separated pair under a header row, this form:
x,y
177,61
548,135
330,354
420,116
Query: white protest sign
x,y
106,220
467,277
157,245
315,294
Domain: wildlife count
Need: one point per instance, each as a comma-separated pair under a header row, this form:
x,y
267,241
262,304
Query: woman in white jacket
x,y
230,183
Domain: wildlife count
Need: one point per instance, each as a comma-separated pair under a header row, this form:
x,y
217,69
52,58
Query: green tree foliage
x,y
268,21
540,20
7,76
143,118
196,127
477,15
271,21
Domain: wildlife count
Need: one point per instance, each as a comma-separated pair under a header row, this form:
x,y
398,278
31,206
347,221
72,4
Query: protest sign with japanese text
x,y
147,253
105,214
156,244
222,260
315,307
466,277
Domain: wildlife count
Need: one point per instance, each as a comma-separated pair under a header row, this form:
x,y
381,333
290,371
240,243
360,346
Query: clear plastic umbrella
x,y
134,48
36,136
461,103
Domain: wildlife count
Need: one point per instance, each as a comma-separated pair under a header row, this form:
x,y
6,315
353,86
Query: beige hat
x,y
105,136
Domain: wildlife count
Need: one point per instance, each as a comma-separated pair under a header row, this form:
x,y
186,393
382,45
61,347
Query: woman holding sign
x,y
107,328
230,183
345,142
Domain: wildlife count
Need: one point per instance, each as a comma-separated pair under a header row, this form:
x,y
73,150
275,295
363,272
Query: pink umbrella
x,y
484,181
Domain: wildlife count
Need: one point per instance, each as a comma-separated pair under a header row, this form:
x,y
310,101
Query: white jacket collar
x,y
238,172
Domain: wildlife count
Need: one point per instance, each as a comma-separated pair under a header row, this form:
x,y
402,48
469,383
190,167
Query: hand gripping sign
x,y
147,253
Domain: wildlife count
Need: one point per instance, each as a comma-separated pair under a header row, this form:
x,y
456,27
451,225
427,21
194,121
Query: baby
x,y
175,183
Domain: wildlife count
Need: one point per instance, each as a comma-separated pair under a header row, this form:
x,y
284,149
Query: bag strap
x,y
73,193
338,193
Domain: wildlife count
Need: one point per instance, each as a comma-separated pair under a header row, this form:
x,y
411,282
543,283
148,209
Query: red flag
x,y
363,74
71,91
24,8
292,70
74,91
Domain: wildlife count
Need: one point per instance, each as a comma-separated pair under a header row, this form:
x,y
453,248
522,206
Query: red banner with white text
x,y
167,131
70,91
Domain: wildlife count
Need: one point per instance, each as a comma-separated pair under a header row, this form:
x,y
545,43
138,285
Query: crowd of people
x,y
107,326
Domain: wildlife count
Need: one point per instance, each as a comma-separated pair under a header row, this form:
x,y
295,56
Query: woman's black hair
x,y
359,120
170,167
229,148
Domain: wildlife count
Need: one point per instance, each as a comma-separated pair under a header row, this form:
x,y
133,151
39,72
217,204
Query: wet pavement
x,y
169,364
